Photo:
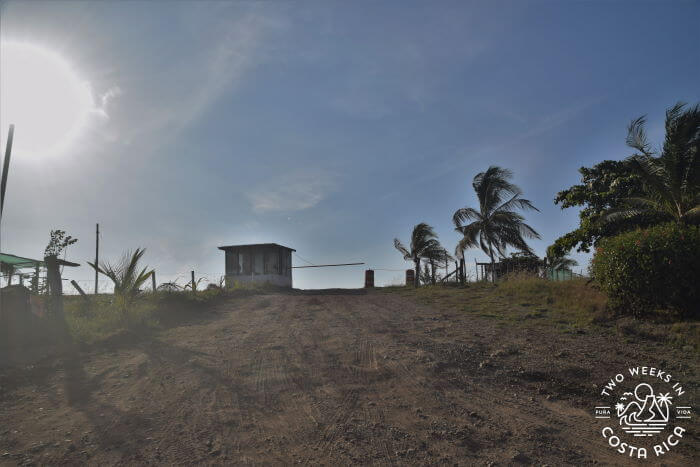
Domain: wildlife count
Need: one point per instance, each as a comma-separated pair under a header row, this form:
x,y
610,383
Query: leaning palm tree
x,y
437,256
495,225
671,179
424,245
559,262
126,277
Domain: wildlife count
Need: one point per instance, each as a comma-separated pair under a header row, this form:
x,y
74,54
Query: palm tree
x,y
559,263
435,257
671,179
126,277
495,225
424,245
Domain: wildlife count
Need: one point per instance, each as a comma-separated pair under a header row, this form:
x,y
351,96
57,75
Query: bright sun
x,y
42,95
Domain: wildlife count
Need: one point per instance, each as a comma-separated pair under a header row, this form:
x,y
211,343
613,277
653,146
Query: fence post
x,y
410,277
369,278
153,279
193,284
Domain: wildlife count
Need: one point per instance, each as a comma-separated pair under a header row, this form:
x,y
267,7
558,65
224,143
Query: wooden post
x,y
35,280
193,284
53,277
77,287
97,253
153,279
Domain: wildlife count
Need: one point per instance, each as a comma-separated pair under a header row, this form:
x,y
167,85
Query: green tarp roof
x,y
19,262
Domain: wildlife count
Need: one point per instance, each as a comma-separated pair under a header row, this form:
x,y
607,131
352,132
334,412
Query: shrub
x,y
652,269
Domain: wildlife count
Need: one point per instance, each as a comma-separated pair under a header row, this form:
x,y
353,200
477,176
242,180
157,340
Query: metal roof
x,y
230,247
19,262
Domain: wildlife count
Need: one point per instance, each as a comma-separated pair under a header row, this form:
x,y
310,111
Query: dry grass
x,y
572,306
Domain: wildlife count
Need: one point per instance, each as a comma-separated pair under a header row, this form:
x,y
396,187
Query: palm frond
x,y
636,136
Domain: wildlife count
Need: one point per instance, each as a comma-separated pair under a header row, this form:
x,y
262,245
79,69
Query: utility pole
x,y
97,253
6,167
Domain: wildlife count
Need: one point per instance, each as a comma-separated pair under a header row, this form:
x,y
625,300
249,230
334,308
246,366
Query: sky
x,y
329,127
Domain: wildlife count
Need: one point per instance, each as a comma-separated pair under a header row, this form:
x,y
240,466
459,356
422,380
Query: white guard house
x,y
261,262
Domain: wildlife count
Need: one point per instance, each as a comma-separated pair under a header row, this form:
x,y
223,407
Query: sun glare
x,y
43,97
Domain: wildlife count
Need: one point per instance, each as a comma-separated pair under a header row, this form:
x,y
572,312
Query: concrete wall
x,y
274,279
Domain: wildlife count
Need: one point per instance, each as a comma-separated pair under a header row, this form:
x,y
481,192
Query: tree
x,y
495,225
557,262
58,243
641,191
424,245
602,187
126,278
670,181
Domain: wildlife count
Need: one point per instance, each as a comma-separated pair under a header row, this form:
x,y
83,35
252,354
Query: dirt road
x,y
327,378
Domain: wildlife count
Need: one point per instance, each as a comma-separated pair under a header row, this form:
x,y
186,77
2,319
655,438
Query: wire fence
x,y
384,276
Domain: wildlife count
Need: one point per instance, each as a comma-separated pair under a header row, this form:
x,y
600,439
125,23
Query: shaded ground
x,y
328,378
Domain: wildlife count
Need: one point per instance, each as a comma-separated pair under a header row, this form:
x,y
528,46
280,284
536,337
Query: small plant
x,y
169,287
193,286
126,278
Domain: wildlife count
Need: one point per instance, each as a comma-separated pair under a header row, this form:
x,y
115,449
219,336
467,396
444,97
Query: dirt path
x,y
327,378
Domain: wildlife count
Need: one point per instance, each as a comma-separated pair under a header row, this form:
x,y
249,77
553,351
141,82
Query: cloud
x,y
105,100
292,192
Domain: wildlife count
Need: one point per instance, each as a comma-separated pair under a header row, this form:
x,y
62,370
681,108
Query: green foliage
x,y
126,278
643,190
58,243
495,225
671,181
602,187
424,245
651,269
101,316
425,275
559,262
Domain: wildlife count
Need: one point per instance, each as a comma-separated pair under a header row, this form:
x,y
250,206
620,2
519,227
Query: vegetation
x,y
670,181
569,307
58,243
424,245
645,189
99,317
127,279
650,269
602,187
495,225
559,262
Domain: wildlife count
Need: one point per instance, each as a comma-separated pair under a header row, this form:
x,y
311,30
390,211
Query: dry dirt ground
x,y
333,378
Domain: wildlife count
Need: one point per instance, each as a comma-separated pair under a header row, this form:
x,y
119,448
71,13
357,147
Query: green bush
x,y
643,271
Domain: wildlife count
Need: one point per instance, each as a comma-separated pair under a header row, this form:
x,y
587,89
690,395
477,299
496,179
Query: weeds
x,y
571,306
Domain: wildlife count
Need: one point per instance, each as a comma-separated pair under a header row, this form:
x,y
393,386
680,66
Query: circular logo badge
x,y
643,411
